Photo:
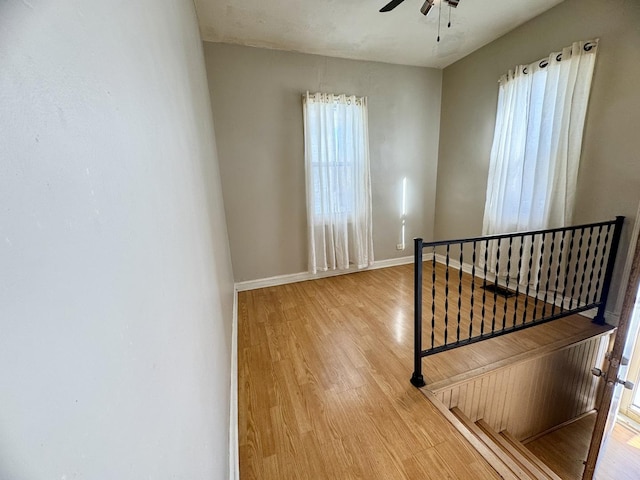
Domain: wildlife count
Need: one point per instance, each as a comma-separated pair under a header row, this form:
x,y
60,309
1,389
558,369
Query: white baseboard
x,y
234,457
304,276
612,318
466,267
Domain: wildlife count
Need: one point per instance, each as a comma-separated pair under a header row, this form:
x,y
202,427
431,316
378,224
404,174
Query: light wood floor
x,y
621,458
324,388
564,451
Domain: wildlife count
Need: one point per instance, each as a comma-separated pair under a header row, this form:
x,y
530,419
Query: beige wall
x,y
609,176
256,99
116,290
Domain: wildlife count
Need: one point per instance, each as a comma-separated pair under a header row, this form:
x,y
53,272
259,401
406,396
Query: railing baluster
x,y
605,250
576,269
567,271
586,265
548,282
446,296
473,283
433,297
495,289
518,280
484,286
526,300
538,278
459,294
594,263
559,271
506,303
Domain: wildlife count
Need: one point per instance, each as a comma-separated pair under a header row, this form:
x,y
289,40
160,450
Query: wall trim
x,y
304,276
234,457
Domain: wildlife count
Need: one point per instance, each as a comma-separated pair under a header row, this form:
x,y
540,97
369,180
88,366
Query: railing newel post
x,y
417,379
606,283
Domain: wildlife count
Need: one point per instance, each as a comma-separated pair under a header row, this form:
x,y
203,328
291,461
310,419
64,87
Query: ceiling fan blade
x,y
391,5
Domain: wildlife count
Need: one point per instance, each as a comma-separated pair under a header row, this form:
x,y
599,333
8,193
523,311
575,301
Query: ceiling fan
x,y
425,9
426,6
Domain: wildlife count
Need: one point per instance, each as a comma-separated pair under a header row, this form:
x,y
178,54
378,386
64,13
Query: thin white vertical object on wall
x,y
537,142
338,182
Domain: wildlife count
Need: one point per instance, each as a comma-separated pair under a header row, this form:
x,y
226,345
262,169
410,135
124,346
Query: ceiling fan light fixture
x,y
426,7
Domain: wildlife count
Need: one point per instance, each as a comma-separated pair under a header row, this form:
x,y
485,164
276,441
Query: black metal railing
x,y
484,287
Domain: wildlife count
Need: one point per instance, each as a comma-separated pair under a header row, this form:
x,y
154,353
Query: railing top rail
x,y
521,234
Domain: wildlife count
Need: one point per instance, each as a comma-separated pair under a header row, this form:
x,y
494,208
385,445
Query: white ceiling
x,y
355,29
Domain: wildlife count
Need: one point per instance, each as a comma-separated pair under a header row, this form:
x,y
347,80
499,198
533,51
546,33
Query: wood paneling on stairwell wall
x,y
534,395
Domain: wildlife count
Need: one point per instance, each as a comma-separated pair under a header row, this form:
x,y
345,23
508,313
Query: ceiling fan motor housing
x,y
426,7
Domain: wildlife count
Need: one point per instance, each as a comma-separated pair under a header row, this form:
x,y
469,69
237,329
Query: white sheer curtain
x,y
338,181
537,142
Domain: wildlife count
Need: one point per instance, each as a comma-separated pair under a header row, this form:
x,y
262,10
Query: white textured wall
x,y
115,277
257,103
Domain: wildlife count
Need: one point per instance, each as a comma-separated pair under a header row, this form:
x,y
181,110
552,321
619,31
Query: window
x,y
332,170
338,181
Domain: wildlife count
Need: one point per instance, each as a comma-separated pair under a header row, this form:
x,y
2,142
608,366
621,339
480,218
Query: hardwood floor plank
x,y
467,466
437,466
621,457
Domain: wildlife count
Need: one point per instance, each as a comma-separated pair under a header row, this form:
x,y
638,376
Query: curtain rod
x,y
337,95
336,99
587,47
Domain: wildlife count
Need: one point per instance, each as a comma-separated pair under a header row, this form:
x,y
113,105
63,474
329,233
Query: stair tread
x,y
510,449
530,455
495,461
518,470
